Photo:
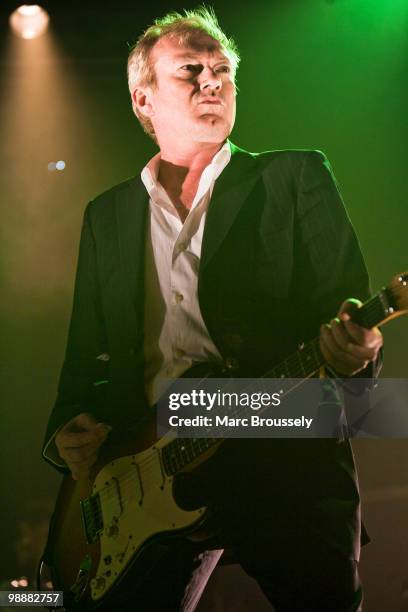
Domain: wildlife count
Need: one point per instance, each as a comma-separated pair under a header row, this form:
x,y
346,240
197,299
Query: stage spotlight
x,y
29,21
59,165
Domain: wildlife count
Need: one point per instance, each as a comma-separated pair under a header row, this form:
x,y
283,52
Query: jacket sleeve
x,y
85,368
329,256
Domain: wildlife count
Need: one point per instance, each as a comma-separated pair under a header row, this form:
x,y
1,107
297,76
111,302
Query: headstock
x,y
389,303
397,293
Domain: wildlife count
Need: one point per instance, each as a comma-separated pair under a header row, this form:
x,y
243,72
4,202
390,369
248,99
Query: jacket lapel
x,y
230,192
131,213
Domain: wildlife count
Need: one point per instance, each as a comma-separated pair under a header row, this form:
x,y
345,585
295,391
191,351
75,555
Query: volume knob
x,y
98,583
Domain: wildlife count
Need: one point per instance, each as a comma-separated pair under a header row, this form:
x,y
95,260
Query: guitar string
x,y
153,460
147,464
150,462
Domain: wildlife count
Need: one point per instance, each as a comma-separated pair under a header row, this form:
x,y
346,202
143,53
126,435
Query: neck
x,y
185,163
180,172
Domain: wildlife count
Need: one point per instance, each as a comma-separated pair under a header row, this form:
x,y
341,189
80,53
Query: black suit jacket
x,y
279,255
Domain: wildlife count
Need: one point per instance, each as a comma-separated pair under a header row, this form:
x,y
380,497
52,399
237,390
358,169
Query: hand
x,y
346,346
78,443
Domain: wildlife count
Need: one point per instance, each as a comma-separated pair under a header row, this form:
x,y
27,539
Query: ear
x,y
141,100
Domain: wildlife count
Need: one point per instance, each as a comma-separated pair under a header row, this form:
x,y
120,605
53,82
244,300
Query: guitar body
x,y
102,526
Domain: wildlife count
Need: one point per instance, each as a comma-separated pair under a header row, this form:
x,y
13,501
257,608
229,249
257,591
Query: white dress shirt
x,y
175,333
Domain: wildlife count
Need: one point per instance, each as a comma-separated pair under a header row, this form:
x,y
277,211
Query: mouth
x,y
218,102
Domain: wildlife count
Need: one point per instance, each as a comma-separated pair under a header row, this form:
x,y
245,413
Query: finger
x,y
343,368
347,346
79,466
362,353
352,338
371,338
80,454
337,351
66,439
76,440
349,306
342,362
85,420
339,334
366,337
329,353
80,422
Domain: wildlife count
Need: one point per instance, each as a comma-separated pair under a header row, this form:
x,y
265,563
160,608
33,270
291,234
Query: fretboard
x,y
301,364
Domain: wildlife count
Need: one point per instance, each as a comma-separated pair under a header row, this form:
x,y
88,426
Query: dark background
x,y
330,75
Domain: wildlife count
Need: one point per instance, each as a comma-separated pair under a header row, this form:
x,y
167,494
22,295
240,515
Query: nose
x,y
209,80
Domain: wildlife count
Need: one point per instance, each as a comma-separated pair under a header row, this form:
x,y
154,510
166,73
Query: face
x,y
193,99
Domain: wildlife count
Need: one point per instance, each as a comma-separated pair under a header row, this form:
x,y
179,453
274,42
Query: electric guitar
x,y
102,525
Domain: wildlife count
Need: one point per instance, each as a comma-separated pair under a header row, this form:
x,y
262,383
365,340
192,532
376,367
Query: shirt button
x,y
182,246
179,297
178,353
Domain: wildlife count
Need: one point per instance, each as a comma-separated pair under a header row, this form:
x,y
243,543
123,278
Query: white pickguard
x,y
137,503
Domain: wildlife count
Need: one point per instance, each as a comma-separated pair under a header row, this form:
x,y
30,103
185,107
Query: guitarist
x,y
214,254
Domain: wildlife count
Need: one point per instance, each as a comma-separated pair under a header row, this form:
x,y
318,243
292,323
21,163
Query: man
x,y
217,255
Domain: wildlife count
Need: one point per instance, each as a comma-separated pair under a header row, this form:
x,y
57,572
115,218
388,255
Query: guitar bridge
x,y
92,520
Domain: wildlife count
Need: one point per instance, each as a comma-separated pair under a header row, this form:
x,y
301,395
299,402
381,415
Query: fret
x,y
196,447
180,452
235,412
309,358
304,362
170,458
292,364
280,371
299,366
177,459
204,444
375,310
300,361
318,357
183,452
191,449
187,452
276,372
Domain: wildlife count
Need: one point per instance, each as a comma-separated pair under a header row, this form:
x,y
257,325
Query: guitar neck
x,y
302,364
306,361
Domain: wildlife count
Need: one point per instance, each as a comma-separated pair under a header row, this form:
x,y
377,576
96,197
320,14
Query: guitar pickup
x,y
92,519
112,506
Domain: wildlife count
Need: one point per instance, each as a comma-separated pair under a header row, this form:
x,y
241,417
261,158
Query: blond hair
x,y
184,28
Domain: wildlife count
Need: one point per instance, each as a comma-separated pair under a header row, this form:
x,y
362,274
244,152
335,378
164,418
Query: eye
x,y
224,68
191,68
